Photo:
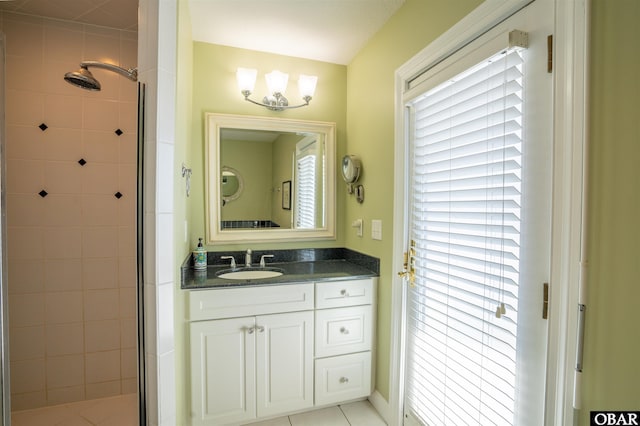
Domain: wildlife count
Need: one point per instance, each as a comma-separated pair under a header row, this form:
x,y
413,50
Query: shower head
x,y
85,80
82,79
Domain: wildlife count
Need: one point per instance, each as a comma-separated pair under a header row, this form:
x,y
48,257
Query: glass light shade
x,y
277,82
246,79
307,85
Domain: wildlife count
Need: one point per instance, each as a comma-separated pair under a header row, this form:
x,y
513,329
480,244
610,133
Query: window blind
x,y
465,221
305,192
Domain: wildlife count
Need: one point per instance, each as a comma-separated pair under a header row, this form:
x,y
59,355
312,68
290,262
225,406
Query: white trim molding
x,y
570,106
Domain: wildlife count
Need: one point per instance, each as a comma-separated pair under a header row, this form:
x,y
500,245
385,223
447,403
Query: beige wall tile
x,y
99,210
100,146
102,305
27,108
127,179
102,336
27,376
127,241
103,390
128,333
26,276
62,210
103,366
128,117
25,176
129,386
27,35
127,209
63,43
26,309
26,243
65,395
63,307
63,144
28,400
100,114
62,243
100,273
27,343
128,302
127,271
128,146
66,370
63,111
129,363
63,274
100,178
24,73
100,242
63,177
25,210
25,142
65,339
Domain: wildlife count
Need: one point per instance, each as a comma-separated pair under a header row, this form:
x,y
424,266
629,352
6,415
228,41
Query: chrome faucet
x,y
233,260
262,263
247,258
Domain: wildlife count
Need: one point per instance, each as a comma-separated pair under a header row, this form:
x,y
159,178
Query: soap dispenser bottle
x,y
200,256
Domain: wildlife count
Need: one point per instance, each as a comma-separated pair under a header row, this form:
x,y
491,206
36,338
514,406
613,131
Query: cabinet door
x,y
285,362
222,371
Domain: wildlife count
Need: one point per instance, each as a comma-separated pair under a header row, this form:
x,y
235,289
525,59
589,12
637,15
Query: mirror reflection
x,y
272,178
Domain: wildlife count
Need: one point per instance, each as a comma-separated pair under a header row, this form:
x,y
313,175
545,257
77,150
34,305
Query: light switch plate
x,y
376,229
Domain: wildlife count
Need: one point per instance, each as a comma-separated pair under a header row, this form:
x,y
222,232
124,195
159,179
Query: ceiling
x,y
325,30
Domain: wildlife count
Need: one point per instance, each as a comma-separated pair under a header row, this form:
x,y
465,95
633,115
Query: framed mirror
x,y
269,179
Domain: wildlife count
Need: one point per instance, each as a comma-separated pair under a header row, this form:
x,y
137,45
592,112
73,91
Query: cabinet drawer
x,y
344,293
238,302
343,330
342,378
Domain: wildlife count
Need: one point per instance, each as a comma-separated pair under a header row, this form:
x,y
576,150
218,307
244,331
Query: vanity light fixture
x,y
277,85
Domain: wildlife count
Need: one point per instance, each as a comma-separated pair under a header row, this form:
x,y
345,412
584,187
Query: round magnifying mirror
x,y
231,184
351,167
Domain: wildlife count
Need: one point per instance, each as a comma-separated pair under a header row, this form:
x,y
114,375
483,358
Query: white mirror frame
x,y
213,124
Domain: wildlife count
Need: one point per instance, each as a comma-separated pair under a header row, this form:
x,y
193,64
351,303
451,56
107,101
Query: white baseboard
x,y
381,405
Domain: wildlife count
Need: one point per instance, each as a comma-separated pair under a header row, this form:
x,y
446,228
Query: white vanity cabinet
x,y
260,352
251,366
344,331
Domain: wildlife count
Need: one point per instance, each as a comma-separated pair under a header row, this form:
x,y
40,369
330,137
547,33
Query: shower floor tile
x,y
117,410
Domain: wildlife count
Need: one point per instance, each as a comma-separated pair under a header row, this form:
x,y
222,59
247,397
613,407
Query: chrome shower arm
x,y
131,74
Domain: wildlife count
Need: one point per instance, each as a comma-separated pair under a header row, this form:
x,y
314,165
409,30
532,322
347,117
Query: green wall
x,y
215,90
612,341
370,131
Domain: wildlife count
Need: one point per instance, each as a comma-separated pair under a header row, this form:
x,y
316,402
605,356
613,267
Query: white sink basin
x,y
253,274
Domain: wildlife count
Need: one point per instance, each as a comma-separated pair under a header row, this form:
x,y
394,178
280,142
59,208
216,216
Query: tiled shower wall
x,y
71,182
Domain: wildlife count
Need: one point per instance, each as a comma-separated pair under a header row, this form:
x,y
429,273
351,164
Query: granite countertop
x,y
306,265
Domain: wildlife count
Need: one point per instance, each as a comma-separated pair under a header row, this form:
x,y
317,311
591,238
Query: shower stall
x,y
70,158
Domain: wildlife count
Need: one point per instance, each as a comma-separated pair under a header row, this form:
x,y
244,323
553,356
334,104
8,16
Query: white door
x,y
479,215
223,371
285,362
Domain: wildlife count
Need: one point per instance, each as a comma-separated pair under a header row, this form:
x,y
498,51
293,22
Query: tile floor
x,y
122,411
359,413
113,411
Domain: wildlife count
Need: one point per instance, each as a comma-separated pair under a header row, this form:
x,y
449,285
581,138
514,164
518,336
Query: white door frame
x,y
570,106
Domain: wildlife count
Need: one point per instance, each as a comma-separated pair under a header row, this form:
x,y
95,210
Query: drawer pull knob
x,y
250,330
260,329
344,293
344,380
344,330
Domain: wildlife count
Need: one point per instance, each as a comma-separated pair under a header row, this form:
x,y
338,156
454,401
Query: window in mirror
x,y
263,153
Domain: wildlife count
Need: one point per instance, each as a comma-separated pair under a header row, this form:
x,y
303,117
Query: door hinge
x,y
545,301
550,53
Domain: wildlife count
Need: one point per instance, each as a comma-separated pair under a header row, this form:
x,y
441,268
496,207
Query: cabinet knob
x,y
344,380
344,293
344,330
260,329
250,330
